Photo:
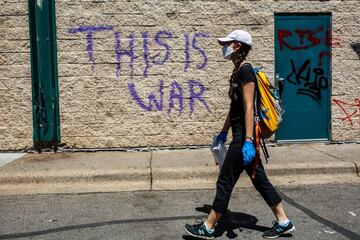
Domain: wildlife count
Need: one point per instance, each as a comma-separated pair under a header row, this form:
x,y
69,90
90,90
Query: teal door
x,y
302,67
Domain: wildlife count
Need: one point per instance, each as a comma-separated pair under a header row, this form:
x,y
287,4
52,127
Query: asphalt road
x,y
328,212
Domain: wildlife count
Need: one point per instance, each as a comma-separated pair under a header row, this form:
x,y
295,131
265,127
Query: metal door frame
x,y
40,96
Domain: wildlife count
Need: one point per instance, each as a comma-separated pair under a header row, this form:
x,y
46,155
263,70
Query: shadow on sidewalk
x,y
230,222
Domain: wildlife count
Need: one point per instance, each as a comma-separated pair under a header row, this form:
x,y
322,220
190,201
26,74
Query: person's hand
x,y
221,137
248,152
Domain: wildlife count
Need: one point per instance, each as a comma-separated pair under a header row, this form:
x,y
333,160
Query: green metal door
x,y
46,122
302,65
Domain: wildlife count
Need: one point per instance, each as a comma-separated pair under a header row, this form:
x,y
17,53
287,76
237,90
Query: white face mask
x,y
227,50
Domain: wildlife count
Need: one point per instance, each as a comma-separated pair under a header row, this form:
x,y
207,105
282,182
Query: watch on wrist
x,y
250,138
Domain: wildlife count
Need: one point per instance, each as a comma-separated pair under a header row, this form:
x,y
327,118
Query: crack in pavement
x,y
151,174
357,171
327,153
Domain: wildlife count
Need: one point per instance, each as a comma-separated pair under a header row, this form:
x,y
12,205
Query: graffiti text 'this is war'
x,y
125,56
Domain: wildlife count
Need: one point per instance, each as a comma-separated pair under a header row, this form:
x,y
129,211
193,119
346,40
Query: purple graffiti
x,y
201,51
197,48
90,30
146,53
176,92
152,98
154,101
121,52
191,42
196,95
187,53
158,41
196,91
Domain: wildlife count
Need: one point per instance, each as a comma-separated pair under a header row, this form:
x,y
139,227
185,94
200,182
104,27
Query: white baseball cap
x,y
237,35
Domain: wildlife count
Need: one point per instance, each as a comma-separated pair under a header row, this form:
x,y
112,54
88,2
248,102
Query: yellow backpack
x,y
268,105
269,113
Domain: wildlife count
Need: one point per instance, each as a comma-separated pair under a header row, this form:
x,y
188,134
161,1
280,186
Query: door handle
x,y
281,86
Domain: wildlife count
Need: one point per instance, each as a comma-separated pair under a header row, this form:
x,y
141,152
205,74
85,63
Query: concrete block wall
x,y
105,88
97,107
15,76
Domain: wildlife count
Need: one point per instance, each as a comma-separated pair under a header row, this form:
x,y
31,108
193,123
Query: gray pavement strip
x,y
345,232
248,222
98,224
175,216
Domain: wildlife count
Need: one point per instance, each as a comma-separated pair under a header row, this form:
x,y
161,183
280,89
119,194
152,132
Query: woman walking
x,y
241,152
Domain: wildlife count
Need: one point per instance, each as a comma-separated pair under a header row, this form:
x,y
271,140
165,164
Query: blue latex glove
x,y
221,137
248,152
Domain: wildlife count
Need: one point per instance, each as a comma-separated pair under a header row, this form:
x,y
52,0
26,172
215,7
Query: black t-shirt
x,y
237,112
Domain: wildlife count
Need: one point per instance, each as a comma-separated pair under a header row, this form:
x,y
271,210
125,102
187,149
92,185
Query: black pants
x,y
230,173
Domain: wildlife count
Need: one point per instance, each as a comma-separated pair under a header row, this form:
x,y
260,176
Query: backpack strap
x,y
257,148
257,94
264,149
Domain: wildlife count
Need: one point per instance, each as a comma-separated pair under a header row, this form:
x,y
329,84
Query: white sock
x,y
284,223
210,230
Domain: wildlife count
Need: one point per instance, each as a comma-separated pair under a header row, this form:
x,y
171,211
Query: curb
x,y
67,177
157,173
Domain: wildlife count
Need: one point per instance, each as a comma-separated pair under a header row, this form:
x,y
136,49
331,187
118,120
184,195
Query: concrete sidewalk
x,y
170,169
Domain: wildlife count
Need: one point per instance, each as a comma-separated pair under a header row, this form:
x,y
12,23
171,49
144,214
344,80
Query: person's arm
x,y
223,134
226,123
248,89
